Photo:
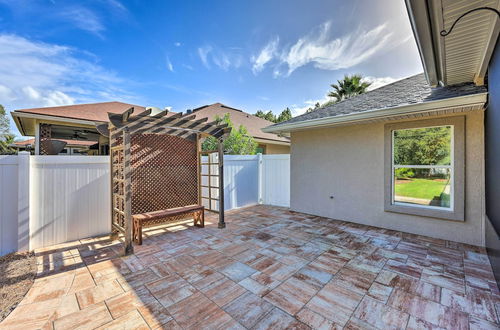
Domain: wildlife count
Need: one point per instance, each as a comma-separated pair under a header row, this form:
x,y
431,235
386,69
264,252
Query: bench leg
x,y
196,219
199,219
139,234
114,235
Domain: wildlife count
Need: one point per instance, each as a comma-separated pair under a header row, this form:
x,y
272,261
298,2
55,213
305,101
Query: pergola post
x,y
220,148
127,176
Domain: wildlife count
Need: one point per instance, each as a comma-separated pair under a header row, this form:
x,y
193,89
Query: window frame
x,y
456,209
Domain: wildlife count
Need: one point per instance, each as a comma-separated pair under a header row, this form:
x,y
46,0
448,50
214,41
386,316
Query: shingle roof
x,y
90,111
411,90
253,124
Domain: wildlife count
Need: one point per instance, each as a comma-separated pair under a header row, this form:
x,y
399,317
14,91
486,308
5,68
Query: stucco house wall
x,y
273,149
348,163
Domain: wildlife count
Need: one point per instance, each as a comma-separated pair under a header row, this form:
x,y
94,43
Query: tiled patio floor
x,y
269,269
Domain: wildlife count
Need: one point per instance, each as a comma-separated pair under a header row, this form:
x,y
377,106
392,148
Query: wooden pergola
x,y
156,165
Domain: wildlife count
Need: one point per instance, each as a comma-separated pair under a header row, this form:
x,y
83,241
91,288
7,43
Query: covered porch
x,y
270,268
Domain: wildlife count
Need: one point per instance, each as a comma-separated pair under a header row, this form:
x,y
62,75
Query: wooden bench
x,y
158,217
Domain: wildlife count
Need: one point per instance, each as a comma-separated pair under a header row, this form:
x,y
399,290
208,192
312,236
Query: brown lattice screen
x,y
164,172
45,135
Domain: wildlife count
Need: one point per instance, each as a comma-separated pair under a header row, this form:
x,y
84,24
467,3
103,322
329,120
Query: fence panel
x,y
8,204
276,180
69,198
47,200
241,181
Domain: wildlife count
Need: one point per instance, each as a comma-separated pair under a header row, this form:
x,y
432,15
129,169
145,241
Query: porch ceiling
x,y
464,54
270,268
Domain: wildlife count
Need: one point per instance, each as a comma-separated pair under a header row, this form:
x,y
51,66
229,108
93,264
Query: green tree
x,y
349,86
239,142
6,137
6,140
266,115
284,115
4,122
421,146
316,107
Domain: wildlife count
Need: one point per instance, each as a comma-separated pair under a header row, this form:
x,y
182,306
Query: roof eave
x,y
418,13
271,141
383,113
19,115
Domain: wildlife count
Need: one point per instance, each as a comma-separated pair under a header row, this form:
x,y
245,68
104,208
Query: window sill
x,y
425,212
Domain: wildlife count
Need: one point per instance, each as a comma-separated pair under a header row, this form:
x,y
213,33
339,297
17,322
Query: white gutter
x,y
432,106
419,15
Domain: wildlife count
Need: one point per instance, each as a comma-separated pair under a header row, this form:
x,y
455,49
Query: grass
x,y
420,188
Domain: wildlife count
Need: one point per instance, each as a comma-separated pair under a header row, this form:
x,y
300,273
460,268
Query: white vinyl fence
x,y
14,204
46,200
275,180
69,198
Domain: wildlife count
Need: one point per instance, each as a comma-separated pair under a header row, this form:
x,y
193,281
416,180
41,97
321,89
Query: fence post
x,y
260,179
23,201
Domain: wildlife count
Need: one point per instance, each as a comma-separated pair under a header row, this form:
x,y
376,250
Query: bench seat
x,y
162,216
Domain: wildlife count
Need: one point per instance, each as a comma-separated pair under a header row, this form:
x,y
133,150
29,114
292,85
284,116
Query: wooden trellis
x,y
156,165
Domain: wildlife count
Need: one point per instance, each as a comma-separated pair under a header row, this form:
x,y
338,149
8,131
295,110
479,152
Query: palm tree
x,y
348,87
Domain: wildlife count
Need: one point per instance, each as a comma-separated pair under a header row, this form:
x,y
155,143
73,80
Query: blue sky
x,y
252,55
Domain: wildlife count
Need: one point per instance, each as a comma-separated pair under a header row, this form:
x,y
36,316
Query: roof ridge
x,y
410,90
79,104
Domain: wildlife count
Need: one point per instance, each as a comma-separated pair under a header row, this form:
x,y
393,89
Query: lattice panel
x,y
45,134
210,180
164,172
118,190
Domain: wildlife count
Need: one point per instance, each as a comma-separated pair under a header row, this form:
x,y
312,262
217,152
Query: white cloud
x,y
301,109
36,74
49,99
338,53
323,51
177,44
377,82
222,59
84,19
117,6
266,54
170,67
203,53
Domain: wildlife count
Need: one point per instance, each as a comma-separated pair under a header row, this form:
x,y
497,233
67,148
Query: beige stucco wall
x,y
272,149
348,163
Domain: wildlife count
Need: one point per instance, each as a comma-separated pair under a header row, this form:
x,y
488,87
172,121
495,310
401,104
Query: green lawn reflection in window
x,y
422,167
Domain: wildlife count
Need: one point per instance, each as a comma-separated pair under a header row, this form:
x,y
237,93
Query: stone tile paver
x,y
269,269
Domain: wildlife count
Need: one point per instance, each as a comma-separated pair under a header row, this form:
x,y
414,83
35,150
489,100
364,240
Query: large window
x,y
422,169
422,166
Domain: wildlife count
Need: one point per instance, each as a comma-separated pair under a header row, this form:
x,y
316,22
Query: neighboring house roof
x,y
90,111
253,124
407,92
68,142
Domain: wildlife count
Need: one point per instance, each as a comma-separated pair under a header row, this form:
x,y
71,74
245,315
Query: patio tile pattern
x,y
269,269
